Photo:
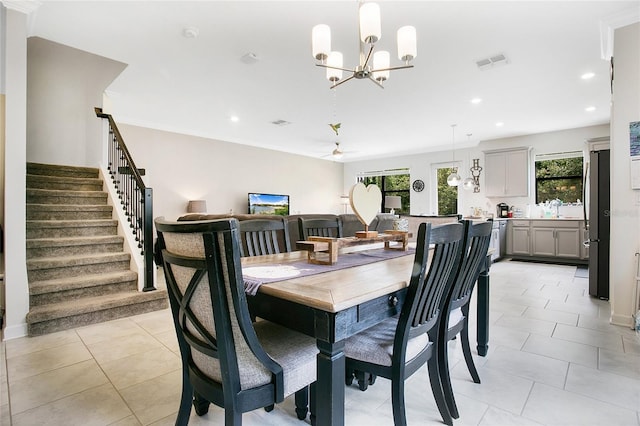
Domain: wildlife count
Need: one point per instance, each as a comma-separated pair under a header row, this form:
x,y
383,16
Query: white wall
x,y
64,85
17,293
625,202
181,168
420,166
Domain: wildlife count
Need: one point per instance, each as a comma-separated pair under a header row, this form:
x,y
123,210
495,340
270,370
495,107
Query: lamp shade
x,y
407,44
392,202
321,41
197,206
381,60
468,184
370,28
334,60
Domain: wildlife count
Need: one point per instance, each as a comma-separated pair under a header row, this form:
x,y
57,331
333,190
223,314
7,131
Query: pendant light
x,y
468,184
454,178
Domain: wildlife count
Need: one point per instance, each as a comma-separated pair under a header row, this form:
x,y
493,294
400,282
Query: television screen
x,y
268,204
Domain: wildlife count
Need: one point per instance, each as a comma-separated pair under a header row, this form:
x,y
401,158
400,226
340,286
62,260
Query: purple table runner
x,y
255,276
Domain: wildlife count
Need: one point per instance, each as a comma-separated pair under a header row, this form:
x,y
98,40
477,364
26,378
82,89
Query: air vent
x,y
281,122
492,61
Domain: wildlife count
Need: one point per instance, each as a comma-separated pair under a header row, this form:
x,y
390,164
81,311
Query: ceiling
x,y
195,85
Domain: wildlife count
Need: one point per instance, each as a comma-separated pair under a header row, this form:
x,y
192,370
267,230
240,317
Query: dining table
x,y
337,303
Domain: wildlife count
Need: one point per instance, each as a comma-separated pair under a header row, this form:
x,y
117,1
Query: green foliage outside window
x,y
560,178
392,185
447,195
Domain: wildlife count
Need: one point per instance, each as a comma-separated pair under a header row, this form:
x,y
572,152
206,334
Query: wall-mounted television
x,y
277,204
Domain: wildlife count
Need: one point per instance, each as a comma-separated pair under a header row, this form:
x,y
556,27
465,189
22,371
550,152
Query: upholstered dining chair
x,y
264,236
399,346
456,304
320,228
226,359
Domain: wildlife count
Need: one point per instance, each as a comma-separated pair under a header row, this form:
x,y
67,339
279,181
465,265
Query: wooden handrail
x,y
136,198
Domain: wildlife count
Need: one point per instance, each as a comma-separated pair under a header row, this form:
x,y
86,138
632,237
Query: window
x,y
559,176
446,196
391,182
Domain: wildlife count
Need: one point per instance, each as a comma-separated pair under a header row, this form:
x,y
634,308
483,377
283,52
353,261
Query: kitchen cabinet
x,y
518,237
507,173
559,239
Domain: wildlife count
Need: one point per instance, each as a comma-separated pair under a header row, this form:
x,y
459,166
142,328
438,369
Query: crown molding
x,y
608,26
23,6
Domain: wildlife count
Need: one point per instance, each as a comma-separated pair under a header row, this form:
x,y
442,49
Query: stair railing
x,y
136,198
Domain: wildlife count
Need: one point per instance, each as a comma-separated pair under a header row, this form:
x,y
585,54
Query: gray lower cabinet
x,y
544,241
518,238
559,239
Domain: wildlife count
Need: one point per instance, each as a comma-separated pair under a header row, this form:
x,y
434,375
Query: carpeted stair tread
x,y
73,241
57,170
33,224
64,183
68,261
34,192
80,282
91,304
69,207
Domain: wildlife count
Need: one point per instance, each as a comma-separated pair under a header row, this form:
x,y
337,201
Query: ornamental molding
x,y
22,6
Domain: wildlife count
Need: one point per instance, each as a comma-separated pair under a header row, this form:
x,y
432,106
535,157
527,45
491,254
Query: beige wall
x,y
625,202
63,86
182,168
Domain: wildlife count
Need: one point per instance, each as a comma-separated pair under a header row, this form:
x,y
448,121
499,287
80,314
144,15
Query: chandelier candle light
x,y
372,66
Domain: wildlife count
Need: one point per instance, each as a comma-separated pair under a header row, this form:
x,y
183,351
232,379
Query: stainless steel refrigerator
x,y
598,223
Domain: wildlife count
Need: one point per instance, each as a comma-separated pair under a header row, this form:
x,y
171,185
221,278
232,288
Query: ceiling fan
x,y
337,153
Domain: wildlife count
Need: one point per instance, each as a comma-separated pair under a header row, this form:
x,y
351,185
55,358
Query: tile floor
x,y
553,360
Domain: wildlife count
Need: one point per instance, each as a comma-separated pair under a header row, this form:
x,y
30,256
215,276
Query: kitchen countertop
x,y
523,218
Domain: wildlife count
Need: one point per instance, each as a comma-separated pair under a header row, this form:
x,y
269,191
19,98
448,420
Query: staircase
x,y
77,269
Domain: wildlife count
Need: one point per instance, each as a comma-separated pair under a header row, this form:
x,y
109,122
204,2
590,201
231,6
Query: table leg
x,y
482,332
330,384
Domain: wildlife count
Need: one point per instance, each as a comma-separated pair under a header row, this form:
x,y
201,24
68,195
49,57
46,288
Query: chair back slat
x,y
331,228
264,236
430,286
206,291
475,248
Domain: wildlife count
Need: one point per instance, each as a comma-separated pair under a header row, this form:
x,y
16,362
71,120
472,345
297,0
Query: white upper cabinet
x,y
507,173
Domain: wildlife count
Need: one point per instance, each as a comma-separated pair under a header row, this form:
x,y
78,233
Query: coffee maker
x,y
502,210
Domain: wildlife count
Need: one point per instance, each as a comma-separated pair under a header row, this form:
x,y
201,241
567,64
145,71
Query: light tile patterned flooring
x,y
553,360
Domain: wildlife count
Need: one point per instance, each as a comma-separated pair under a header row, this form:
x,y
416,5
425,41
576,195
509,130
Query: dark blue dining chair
x,y
397,347
226,359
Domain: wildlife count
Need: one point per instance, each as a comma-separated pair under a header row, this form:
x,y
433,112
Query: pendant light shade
x,y
468,184
407,45
370,27
381,60
454,178
334,60
321,42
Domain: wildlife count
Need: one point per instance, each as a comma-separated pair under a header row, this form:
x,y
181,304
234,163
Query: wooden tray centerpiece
x,y
365,202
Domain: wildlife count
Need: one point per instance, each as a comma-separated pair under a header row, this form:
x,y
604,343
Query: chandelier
x,y
372,66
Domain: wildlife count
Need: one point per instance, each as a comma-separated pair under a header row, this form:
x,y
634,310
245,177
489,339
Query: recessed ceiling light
x,y
587,75
590,108
234,118
190,32
499,124
476,101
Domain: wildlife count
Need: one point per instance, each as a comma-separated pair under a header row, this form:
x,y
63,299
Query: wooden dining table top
x,y
337,289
